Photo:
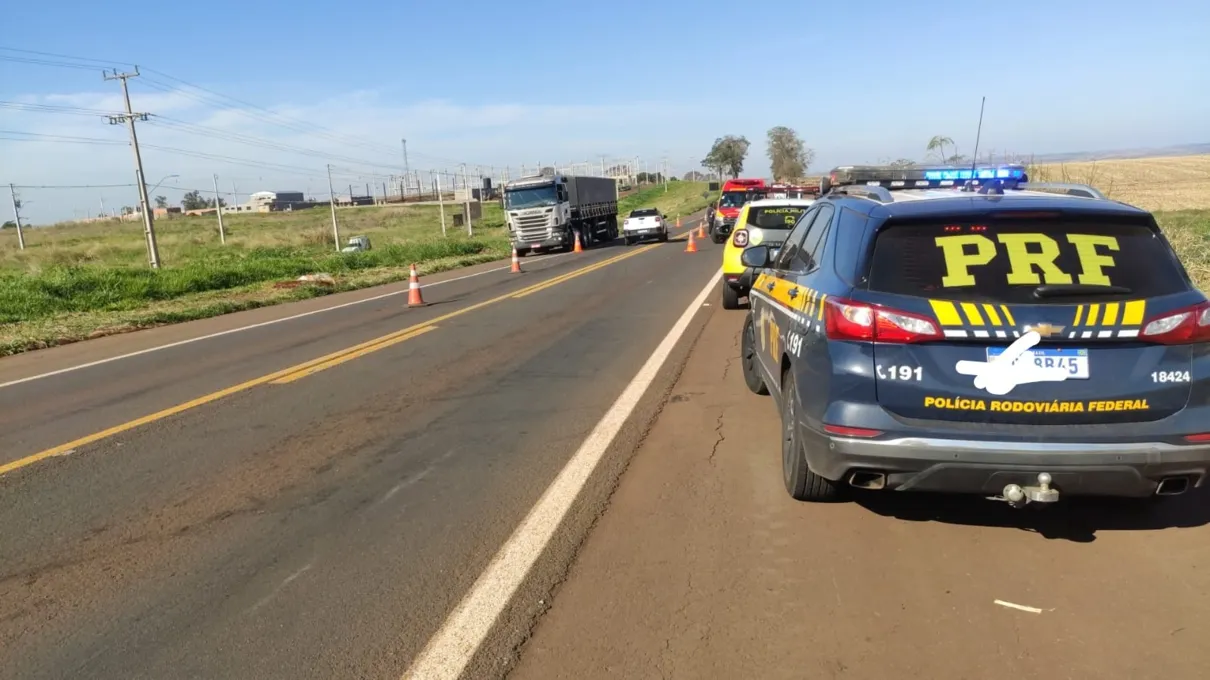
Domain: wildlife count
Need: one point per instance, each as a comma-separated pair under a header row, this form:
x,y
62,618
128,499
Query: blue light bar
x,y
984,172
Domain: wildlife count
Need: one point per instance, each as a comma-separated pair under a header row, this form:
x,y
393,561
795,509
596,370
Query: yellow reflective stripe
x,y
1079,313
1092,314
1111,314
972,314
1008,316
819,311
946,313
1133,315
990,311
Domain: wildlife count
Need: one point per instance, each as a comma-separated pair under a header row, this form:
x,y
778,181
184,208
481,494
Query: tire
x,y
664,236
730,297
719,241
629,241
522,252
801,483
750,362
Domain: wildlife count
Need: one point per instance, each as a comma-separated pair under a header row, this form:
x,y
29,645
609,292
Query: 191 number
x,y
1170,376
900,372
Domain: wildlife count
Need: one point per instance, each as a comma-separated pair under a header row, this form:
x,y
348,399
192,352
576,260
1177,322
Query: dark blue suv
x,y
963,330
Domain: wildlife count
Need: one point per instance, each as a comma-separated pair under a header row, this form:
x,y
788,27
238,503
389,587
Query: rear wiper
x,y
1050,290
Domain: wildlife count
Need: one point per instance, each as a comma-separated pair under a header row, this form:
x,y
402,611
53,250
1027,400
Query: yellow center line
x,y
297,371
349,356
556,281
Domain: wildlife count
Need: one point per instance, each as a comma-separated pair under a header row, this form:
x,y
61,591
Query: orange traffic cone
x,y
701,229
678,221
579,248
516,262
691,247
414,298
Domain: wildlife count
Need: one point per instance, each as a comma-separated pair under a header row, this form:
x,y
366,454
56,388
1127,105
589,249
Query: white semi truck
x,y
547,212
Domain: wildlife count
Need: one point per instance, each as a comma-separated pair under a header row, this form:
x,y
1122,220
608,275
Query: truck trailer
x,y
546,212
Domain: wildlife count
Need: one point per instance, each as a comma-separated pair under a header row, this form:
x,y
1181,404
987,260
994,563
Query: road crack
x,y
718,429
731,357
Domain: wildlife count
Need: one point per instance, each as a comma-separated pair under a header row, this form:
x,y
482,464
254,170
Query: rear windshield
x,y
1007,261
775,216
645,212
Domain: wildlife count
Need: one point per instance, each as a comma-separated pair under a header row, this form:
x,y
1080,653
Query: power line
x,y
52,108
73,186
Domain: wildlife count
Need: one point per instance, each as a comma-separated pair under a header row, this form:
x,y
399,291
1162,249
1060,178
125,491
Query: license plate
x,y
1074,361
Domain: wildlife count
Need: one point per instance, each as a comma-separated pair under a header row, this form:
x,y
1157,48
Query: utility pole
x,y
153,251
466,188
440,202
17,216
234,193
602,166
407,170
332,205
218,210
103,214
664,175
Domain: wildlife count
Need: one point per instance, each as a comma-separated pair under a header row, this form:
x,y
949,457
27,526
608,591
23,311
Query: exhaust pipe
x,y
868,480
1172,486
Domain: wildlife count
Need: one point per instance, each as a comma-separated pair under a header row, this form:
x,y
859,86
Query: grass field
x,y
75,281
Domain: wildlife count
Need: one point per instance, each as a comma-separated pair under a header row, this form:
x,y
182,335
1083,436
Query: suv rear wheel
x,y
730,297
801,483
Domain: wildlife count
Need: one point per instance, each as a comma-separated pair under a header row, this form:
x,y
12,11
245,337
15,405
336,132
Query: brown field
x,y
1156,184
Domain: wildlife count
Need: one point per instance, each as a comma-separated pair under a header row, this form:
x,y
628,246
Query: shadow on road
x,y
1075,519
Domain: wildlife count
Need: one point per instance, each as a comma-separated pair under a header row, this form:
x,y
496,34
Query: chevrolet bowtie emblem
x,y
1044,329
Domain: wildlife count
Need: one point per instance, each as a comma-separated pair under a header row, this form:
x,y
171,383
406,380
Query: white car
x,y
645,223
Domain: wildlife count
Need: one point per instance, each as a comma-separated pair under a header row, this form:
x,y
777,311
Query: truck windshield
x,y
736,199
530,197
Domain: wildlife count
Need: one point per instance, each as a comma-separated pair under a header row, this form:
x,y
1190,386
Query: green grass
x,y
1189,233
78,281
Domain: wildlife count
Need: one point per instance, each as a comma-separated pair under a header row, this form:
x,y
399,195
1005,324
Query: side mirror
x,y
757,257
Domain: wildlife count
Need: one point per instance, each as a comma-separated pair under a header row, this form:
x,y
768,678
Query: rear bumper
x,y
653,232
741,282
986,467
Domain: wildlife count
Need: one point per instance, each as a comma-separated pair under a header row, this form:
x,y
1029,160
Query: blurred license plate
x,y
1074,361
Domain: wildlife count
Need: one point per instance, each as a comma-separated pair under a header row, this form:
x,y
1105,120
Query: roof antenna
x,y
978,134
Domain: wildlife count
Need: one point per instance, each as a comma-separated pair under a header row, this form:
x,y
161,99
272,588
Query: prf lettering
x,y
1031,258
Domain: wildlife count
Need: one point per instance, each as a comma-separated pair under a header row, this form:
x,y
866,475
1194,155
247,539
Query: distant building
x,y
273,201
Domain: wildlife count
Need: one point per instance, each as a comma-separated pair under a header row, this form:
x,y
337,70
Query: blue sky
x,y
501,84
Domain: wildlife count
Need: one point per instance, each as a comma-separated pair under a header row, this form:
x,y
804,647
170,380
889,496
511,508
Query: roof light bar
x,y
913,177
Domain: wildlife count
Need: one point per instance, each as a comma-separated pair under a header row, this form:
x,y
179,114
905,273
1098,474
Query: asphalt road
x,y
703,567
223,508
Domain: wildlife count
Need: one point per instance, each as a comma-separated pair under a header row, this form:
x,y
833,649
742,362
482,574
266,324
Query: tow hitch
x,y
1019,496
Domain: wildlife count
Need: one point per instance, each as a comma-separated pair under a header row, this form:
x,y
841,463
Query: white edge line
x,y
449,651
1021,607
229,331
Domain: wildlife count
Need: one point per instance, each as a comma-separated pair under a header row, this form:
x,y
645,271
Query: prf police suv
x,y
942,329
765,221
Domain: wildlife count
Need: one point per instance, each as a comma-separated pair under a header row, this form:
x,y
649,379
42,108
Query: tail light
x,y
1187,325
848,320
740,238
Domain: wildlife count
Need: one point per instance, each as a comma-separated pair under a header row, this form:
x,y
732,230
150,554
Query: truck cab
x,y
549,212
736,193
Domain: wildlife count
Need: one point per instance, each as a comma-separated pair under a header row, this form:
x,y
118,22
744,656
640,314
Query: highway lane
x,y
322,527
703,567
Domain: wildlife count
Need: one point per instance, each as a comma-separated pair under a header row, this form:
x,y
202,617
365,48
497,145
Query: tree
x,y
161,202
789,155
194,201
649,178
547,171
129,210
727,155
903,163
694,176
937,145
9,225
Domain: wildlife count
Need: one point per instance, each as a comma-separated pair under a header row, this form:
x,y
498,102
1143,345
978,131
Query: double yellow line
x,y
299,371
